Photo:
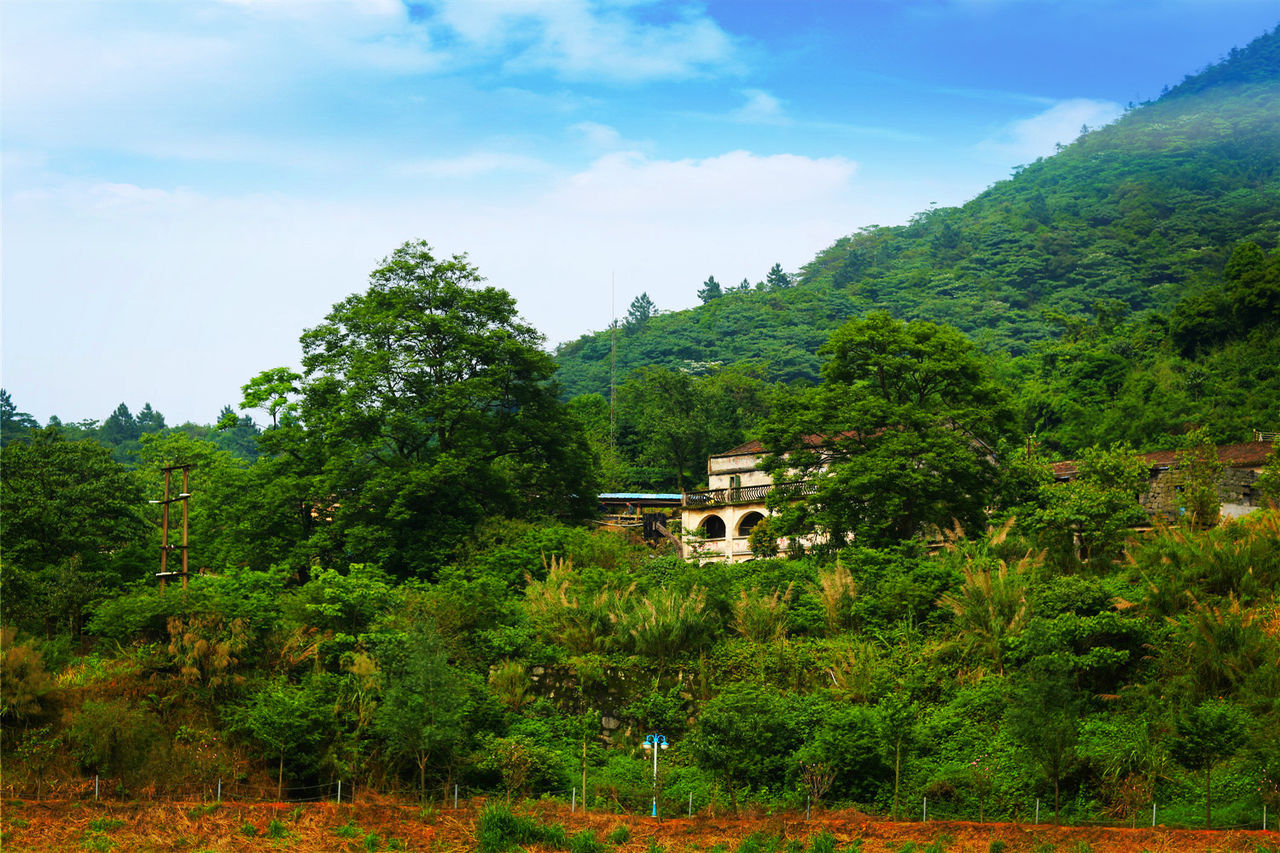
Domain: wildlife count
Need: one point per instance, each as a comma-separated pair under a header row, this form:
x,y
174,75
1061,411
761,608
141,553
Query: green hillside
x,y
1140,216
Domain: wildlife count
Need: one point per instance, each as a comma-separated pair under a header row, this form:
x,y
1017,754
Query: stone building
x,y
1241,465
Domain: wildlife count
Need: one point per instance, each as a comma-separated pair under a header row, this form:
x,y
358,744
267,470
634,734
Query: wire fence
x,y
605,799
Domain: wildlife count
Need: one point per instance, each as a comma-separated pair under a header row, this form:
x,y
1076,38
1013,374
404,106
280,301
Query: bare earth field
x,y
49,826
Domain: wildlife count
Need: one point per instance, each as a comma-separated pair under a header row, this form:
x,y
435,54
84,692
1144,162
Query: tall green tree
x,y
710,290
673,420
425,405
1043,714
776,279
899,437
69,515
423,704
13,424
1206,734
642,308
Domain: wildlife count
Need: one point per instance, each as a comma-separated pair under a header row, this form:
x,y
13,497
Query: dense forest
x,y
398,577
1127,285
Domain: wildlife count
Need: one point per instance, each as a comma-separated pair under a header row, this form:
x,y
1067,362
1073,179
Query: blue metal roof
x,y
640,496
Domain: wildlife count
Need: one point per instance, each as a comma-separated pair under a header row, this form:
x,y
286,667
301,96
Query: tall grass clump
x,y
585,842
823,842
500,830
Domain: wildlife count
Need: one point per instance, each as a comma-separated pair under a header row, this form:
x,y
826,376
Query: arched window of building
x,y
749,521
713,527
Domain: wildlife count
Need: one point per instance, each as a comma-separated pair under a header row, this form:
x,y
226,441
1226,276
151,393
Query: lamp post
x,y
653,743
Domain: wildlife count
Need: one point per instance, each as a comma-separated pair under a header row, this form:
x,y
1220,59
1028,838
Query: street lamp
x,y
653,743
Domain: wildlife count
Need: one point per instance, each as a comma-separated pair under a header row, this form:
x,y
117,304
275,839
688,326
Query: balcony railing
x,y
747,494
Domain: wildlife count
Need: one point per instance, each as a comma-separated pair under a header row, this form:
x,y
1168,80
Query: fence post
x,y
1153,813
806,806
1037,809
95,786
573,804
339,792
455,796
924,809
1264,817
691,804
219,789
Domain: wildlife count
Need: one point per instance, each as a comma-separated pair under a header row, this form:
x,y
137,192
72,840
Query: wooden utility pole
x,y
183,497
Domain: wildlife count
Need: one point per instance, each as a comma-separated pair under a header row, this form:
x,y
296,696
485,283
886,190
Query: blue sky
x,y
188,184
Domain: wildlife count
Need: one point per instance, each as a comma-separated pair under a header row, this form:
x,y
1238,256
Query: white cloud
x,y
474,165
733,183
1026,139
760,108
120,274
580,39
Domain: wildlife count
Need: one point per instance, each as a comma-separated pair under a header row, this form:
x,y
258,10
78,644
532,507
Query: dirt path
x,y
390,825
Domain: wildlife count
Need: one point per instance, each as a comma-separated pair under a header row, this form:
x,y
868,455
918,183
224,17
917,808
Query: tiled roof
x,y
756,447
1251,454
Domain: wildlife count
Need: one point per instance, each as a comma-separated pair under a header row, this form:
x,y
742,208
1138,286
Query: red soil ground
x,y
51,826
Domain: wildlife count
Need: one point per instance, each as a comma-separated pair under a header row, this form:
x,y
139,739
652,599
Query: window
x,y
749,521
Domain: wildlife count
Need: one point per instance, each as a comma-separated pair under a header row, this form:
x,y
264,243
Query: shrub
x,y
585,842
499,830
823,842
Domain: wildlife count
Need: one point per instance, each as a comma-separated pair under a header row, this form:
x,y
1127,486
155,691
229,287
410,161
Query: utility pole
x,y
183,497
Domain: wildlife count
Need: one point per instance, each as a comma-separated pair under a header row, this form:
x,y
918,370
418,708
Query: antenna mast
x,y
613,362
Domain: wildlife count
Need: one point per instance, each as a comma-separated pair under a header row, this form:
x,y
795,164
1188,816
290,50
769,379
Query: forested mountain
x,y
396,582
1137,220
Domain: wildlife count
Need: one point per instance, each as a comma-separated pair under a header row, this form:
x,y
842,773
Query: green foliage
x,y
619,835
746,735
585,842
422,441
68,514
1206,734
1168,215
423,704
499,830
897,440
1088,519
114,738
23,675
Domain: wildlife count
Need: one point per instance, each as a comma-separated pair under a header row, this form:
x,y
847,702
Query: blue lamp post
x,y
653,743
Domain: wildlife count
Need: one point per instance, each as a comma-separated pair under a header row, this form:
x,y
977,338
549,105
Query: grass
x,y
619,835
499,830
996,846
348,830
822,842
585,842
105,824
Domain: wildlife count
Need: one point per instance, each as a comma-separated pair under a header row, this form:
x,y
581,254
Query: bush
x,y
585,842
500,830
823,842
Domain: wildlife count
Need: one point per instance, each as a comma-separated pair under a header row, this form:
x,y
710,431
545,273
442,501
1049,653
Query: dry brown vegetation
x,y
392,825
